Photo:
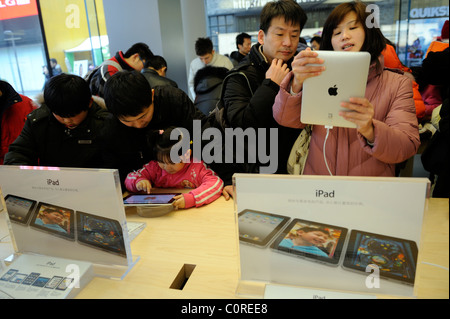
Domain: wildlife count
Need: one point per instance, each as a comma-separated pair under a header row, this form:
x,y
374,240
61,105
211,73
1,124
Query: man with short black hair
x,y
206,55
155,72
133,59
243,45
268,62
138,110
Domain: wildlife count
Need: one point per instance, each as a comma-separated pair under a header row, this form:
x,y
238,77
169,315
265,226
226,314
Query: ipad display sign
x,y
315,241
149,199
396,258
259,228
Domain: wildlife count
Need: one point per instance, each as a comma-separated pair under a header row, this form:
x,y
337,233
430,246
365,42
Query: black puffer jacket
x,y
245,110
207,86
46,142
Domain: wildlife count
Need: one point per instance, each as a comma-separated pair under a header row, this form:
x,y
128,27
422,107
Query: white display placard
x,y
388,212
68,213
43,277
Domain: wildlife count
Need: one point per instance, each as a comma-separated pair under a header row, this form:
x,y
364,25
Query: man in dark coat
x,y
64,131
138,111
265,67
155,71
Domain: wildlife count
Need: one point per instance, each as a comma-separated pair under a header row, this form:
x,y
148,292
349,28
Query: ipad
x,y
396,258
345,76
19,208
100,232
149,199
259,228
314,241
55,220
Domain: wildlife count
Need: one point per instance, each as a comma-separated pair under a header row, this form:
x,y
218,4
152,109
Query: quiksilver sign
x,y
430,12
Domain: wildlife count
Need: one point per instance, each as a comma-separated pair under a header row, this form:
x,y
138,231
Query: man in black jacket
x,y
265,67
139,110
155,71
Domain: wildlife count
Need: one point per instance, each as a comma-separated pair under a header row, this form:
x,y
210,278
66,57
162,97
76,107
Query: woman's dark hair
x,y
127,93
67,95
374,41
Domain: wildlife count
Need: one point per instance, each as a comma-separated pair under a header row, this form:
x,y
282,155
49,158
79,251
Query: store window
x,y
45,37
411,25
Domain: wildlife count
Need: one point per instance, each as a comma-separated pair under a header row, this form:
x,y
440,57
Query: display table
x,y
207,238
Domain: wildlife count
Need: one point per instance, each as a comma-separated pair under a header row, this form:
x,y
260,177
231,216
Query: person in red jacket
x,y
14,109
179,172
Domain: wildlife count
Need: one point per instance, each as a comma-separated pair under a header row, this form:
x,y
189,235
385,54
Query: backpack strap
x,y
222,91
107,63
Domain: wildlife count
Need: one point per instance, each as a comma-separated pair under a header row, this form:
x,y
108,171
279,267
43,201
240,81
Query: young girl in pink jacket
x,y
387,129
176,170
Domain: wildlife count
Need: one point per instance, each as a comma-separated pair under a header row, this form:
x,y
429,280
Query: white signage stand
x,y
368,221
69,213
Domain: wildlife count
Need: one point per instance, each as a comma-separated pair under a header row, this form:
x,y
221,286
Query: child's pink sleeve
x,y
210,188
134,177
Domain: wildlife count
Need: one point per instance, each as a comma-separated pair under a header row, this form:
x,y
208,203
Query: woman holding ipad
x,y
386,130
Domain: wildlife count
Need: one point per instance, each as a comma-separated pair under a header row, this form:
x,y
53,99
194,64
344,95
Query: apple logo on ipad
x,y
333,91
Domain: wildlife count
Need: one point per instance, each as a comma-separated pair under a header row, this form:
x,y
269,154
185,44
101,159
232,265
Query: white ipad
x,y
345,76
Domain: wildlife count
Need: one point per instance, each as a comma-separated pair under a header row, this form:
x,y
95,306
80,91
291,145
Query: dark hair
x,y
127,93
157,62
162,144
67,95
317,39
374,41
240,38
289,9
140,48
203,46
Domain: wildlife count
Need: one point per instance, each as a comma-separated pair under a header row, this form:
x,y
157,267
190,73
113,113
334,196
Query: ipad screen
x,y
19,208
149,199
318,241
259,228
100,232
55,220
395,257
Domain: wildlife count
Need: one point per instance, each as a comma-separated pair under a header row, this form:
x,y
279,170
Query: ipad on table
x,y
312,240
259,228
19,208
149,199
345,76
396,258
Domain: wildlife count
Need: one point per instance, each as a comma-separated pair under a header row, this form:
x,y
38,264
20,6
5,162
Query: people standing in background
x,y
206,55
243,45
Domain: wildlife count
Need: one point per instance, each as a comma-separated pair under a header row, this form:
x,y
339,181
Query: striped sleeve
x,y
209,190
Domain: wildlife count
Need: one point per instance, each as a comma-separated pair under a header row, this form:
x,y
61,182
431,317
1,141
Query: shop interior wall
x,y
169,27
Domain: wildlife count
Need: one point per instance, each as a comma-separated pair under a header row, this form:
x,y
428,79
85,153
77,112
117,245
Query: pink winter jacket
x,y
347,152
206,185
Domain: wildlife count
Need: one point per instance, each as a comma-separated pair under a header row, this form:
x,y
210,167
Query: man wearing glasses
x,y
133,59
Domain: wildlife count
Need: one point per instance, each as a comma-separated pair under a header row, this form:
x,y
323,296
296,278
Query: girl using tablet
x,y
387,129
180,172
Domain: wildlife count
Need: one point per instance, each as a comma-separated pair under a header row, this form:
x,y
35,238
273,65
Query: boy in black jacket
x,y
64,131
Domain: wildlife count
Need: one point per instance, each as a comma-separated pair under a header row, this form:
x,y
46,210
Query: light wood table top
x,y
207,238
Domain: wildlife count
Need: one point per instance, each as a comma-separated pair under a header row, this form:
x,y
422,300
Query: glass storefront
x,y
411,25
36,33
